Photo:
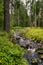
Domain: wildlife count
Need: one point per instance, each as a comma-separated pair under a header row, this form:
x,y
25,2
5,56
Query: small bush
x,y
10,54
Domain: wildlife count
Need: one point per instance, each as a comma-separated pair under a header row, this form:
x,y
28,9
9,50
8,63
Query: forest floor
x,y
33,37
35,34
11,54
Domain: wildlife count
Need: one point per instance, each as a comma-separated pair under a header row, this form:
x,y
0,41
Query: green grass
x,y
10,54
32,32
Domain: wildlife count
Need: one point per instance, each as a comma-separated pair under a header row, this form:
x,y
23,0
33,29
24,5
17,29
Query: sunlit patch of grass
x,y
32,32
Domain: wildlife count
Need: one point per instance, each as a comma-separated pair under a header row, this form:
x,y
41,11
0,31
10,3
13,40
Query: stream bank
x,y
34,51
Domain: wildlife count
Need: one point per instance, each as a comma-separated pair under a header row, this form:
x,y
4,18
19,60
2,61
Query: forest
x,y
21,32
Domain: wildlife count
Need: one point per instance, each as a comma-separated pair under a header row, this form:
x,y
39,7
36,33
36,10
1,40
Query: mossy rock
x,y
34,60
41,56
40,50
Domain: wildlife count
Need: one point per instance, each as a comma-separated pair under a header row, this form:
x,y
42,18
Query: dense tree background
x,y
15,12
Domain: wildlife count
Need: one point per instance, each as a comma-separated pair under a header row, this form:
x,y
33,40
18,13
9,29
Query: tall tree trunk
x,y
30,14
42,13
6,16
18,17
35,15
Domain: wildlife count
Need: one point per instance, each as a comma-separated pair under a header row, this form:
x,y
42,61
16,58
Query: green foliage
x,y
17,3
22,16
10,54
34,33
1,14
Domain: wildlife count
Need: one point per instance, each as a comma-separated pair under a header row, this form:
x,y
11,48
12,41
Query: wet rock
x,y
22,42
34,61
41,56
34,53
40,52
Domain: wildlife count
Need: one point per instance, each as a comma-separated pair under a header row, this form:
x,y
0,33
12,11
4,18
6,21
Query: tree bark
x,y
42,12
6,16
35,15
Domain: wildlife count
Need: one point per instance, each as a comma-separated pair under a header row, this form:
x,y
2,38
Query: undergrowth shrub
x,y
10,54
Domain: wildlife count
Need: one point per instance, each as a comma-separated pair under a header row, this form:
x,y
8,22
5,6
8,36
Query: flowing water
x,y
30,54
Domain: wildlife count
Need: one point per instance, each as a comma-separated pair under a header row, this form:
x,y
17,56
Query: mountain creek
x,y
34,50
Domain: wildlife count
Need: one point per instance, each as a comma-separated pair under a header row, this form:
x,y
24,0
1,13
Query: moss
x,y
33,33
